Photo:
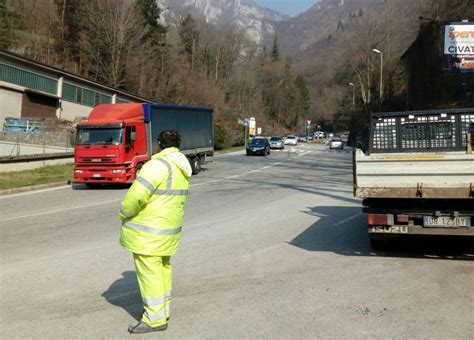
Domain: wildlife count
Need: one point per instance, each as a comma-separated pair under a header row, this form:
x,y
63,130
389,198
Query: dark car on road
x,y
258,146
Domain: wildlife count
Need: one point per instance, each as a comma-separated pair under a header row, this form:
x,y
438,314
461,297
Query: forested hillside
x,y
332,45
304,73
120,43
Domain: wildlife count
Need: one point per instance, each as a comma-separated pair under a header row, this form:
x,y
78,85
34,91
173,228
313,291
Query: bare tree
x,y
112,33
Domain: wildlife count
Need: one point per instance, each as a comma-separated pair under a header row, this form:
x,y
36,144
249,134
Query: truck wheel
x,y
195,165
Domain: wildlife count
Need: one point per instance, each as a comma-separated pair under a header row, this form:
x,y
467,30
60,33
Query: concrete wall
x,y
34,164
48,138
10,104
9,149
71,111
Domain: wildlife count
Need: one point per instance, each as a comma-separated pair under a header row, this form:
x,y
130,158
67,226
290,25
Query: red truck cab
x,y
111,145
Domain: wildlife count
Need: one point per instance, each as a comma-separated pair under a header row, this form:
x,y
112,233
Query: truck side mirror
x,y
133,136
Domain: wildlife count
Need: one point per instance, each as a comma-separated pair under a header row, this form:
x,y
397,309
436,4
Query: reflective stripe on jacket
x,y
153,209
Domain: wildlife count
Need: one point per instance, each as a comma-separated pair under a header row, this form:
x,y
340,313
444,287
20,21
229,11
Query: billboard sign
x,y
252,127
459,47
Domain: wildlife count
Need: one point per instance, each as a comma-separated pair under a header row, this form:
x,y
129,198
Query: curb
x,y
33,187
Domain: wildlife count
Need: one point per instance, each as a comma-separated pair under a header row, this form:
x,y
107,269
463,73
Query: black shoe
x,y
142,327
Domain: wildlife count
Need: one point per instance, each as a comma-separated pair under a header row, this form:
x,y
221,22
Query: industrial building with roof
x,y
29,89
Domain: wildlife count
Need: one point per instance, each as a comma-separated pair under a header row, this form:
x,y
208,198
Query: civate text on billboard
x,y
459,47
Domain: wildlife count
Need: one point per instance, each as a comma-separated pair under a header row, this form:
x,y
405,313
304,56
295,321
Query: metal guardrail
x,y
29,162
29,158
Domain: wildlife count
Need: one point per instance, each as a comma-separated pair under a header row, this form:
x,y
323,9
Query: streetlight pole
x,y
353,95
381,77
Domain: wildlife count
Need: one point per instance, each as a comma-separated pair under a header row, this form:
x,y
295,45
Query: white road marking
x,y
34,192
304,153
235,176
347,219
60,210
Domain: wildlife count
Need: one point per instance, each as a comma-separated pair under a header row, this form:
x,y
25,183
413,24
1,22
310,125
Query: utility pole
x,y
381,77
353,95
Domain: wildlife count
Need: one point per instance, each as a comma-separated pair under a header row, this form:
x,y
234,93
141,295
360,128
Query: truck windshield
x,y
99,136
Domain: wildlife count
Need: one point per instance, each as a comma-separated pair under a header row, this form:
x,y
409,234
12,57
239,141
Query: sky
x,y
288,7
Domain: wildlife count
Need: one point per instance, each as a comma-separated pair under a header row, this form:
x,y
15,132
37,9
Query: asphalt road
x,y
272,247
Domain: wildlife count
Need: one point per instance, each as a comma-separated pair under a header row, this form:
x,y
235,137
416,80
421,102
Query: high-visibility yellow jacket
x,y
153,209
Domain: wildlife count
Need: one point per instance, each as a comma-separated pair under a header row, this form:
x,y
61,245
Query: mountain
x,y
330,22
302,33
257,22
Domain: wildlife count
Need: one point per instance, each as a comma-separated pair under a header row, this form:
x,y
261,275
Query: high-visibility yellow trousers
x,y
154,280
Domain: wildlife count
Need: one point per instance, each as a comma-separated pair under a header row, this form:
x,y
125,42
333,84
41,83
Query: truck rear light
x,y
403,218
380,219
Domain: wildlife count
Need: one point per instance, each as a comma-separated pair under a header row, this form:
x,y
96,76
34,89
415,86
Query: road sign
x,y
253,126
240,121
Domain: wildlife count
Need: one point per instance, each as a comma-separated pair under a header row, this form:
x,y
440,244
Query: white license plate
x,y
446,221
96,175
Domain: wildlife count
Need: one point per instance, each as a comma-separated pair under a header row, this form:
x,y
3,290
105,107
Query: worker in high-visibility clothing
x,y
152,216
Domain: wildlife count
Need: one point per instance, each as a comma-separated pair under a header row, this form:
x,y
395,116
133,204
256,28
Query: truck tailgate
x,y
414,175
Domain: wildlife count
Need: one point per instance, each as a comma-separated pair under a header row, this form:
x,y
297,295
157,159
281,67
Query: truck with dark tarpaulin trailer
x,y
117,139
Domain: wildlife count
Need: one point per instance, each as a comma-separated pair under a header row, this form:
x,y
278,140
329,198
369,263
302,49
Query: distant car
x,y
330,135
319,134
302,138
291,140
258,146
336,143
276,142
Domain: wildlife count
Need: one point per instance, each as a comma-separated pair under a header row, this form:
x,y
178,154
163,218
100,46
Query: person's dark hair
x,y
169,139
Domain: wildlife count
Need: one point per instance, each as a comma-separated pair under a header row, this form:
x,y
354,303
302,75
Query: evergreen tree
x,y
150,12
275,53
151,15
69,15
5,27
189,36
303,101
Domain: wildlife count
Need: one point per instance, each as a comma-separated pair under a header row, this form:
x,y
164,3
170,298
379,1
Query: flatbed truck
x,y
416,175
